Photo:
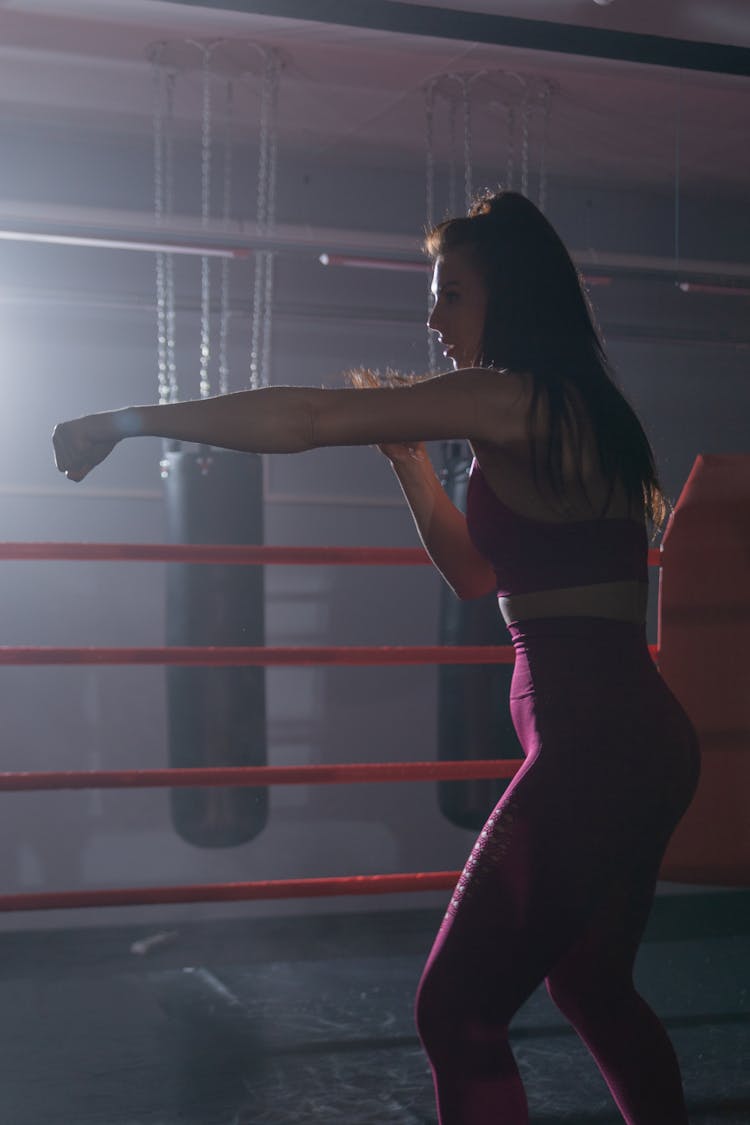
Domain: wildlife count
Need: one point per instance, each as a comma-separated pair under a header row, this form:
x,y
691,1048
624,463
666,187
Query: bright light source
x,y
719,290
122,244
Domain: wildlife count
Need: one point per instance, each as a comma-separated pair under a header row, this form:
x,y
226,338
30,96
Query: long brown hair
x,y
540,322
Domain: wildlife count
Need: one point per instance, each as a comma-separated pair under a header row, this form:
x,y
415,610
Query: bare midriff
x,y
617,601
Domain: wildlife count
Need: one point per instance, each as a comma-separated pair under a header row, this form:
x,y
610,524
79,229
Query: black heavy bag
x,y
216,716
473,714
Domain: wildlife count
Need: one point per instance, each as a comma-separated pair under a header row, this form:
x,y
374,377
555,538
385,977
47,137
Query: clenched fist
x,y
80,445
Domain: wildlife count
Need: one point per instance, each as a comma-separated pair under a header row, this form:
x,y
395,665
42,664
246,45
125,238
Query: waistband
x,y
613,601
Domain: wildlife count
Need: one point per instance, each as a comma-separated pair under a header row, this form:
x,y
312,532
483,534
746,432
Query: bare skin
x,y
486,407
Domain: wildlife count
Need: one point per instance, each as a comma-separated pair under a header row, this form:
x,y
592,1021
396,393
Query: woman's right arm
x,y
441,526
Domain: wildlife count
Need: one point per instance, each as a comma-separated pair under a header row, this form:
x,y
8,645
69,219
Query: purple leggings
x,y
561,880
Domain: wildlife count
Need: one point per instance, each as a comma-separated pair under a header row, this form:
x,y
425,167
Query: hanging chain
x,y
174,392
163,158
260,348
430,153
432,356
510,162
161,286
546,99
255,343
452,113
225,262
677,168
256,346
260,263
206,123
273,105
525,115
468,169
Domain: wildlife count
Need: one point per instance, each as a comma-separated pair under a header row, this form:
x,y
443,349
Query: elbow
x,y
474,579
470,583
283,420
307,426
472,592
469,595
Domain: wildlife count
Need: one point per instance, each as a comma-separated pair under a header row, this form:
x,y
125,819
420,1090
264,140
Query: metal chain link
x,y
677,170
225,262
273,106
173,388
452,113
525,115
161,289
546,99
206,139
205,345
430,153
163,128
468,169
257,344
510,161
432,356
273,111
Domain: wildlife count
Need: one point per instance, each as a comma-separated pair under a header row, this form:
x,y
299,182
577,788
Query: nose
x,y
433,319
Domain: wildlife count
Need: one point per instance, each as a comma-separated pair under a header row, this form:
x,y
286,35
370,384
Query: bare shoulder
x,y
497,384
509,467
501,400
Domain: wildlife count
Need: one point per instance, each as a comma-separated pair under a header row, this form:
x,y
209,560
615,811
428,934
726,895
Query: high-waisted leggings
x,y
560,883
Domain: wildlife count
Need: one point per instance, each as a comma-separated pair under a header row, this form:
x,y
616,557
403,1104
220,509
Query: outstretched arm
x,y
475,403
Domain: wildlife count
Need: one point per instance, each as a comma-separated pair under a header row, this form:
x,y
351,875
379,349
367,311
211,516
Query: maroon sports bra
x,y
530,554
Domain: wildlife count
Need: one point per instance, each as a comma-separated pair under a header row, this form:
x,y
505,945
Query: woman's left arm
x,y
475,403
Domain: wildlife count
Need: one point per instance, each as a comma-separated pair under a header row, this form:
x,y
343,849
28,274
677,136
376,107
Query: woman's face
x,y
460,307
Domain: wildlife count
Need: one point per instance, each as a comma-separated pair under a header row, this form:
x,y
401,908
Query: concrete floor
x,y
310,1020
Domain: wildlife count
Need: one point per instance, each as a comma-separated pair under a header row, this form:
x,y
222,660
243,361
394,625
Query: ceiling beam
x,y
508,31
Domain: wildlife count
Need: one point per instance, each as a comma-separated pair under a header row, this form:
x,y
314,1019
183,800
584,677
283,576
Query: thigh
x,y
532,881
601,957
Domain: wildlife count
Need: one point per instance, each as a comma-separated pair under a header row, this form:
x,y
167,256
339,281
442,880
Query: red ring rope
x,y
244,556
259,656
235,892
259,775
269,889
208,553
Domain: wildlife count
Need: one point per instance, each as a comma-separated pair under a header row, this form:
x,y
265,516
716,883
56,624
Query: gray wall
x,y
79,335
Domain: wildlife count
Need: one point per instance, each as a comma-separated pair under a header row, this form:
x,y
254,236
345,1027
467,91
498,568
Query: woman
x,y
561,880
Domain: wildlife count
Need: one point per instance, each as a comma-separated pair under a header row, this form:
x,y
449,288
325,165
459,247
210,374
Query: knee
x,y
585,997
561,992
570,991
430,1010
454,1022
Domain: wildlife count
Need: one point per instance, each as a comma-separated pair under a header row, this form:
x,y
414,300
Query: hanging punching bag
x,y
473,714
216,716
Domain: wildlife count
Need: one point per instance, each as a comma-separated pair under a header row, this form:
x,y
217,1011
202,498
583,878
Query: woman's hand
x,y
83,443
399,454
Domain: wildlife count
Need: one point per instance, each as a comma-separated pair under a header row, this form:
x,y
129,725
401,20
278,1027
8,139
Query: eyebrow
x,y
451,281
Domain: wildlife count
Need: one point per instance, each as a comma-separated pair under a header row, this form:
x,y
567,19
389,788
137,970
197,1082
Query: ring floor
x,y
310,1020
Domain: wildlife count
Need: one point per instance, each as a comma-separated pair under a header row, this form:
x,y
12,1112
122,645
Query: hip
x,y
594,682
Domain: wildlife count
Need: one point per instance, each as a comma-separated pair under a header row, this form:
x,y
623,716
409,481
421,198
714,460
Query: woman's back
x,y
585,493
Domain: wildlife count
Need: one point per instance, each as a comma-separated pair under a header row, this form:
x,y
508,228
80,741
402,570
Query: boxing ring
x,y
207,656
677,547
263,1020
